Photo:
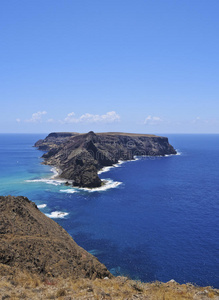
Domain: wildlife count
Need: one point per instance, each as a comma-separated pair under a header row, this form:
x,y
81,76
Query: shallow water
x,y
156,219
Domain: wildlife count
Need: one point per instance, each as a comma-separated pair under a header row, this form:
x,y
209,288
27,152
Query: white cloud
x,y
37,117
152,120
70,118
109,117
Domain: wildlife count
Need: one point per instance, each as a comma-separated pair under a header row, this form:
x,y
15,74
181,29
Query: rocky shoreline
x,y
80,157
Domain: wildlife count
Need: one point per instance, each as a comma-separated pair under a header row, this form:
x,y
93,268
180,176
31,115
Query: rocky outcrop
x,y
54,138
33,242
80,156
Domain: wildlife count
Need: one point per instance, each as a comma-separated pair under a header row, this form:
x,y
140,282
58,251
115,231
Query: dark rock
x,y
56,138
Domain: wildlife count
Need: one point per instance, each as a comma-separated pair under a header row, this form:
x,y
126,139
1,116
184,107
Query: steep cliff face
x,y
80,156
33,242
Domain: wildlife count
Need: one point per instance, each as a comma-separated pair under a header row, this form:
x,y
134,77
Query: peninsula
x,y
79,157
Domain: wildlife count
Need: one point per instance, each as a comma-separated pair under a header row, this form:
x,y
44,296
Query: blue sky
x,y
149,66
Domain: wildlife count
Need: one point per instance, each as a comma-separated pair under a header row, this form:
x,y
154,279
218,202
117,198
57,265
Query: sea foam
x,y
108,184
42,205
56,171
57,214
51,180
69,191
47,181
120,162
105,169
177,153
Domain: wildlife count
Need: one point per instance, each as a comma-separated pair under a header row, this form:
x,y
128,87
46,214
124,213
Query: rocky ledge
x,y
32,242
80,156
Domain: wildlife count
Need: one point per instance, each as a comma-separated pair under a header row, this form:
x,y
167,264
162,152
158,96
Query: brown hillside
x,y
31,241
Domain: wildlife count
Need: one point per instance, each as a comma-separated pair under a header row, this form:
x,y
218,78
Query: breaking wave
x,y
57,214
108,184
177,153
51,180
105,169
42,205
56,171
69,191
120,162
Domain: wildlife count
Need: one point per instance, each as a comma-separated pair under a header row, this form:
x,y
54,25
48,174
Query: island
x,y
79,157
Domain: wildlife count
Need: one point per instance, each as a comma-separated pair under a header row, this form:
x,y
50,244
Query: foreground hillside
x,y
33,242
39,260
80,156
20,285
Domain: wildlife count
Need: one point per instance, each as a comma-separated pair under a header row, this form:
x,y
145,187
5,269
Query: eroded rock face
x,y
80,156
31,241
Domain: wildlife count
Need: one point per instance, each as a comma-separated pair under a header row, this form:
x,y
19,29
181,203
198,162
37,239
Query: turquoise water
x,y
156,220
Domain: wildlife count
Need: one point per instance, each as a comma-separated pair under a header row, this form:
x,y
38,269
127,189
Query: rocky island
x,y
79,157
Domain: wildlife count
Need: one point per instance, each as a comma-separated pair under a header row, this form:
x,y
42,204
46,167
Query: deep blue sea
x,y
158,219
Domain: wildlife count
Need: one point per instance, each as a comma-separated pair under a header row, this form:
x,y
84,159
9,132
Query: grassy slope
x,y
23,285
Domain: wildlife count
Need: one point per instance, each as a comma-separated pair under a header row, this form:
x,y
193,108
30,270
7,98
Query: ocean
x,y
156,219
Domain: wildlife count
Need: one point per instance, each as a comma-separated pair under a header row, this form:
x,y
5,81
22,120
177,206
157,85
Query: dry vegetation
x,y
23,285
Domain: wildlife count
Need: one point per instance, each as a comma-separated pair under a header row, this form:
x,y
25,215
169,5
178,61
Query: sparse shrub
x,y
138,286
23,296
61,293
5,297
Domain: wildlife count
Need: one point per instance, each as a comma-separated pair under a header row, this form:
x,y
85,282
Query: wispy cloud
x,y
70,118
36,117
109,117
150,120
199,121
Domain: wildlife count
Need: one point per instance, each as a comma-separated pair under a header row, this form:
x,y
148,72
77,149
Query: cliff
x,y
32,242
81,156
